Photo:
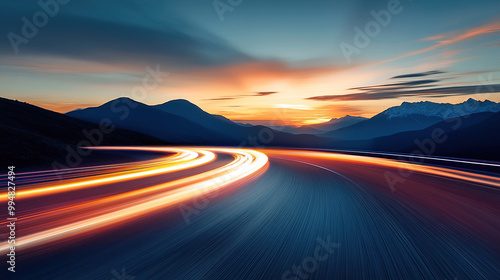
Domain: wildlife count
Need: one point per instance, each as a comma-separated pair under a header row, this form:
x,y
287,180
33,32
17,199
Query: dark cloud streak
x,y
265,93
220,98
434,92
421,74
400,85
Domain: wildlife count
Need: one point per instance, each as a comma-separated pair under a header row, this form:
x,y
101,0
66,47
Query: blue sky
x,y
92,51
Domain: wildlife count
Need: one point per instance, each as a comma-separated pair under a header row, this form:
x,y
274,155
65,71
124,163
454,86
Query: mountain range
x,y
41,136
320,128
396,129
180,121
442,110
471,136
410,117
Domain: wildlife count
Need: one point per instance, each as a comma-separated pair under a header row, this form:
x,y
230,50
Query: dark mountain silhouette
x,y
195,114
395,129
481,140
472,136
129,114
336,123
35,137
298,129
333,124
381,125
182,122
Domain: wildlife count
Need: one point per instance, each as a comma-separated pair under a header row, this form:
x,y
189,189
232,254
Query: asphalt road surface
x,y
227,213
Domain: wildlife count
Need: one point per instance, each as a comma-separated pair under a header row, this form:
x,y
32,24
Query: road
x,y
227,213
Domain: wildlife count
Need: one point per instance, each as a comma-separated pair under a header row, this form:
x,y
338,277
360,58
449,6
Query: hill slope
x,y
476,136
193,113
35,137
321,128
380,125
182,122
129,114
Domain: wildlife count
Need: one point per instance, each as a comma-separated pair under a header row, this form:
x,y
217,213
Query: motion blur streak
x,y
183,160
261,214
245,163
363,160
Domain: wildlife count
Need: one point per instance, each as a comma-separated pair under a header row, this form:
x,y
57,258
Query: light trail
x,y
439,223
95,214
436,158
390,163
129,205
184,160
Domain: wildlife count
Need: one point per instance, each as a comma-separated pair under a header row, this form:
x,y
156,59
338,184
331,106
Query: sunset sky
x,y
258,61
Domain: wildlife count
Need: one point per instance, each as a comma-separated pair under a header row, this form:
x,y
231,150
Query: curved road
x,y
217,213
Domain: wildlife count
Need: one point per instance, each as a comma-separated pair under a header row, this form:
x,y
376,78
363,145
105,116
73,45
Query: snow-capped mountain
x,y
442,110
411,116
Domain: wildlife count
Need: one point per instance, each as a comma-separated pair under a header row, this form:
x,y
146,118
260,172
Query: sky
x,y
289,62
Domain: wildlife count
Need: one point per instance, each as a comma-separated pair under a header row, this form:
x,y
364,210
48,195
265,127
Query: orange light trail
x,y
155,190
391,163
183,160
120,207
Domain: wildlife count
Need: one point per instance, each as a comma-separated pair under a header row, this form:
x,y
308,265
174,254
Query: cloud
x,y
265,93
340,110
247,80
433,92
433,38
118,39
450,38
292,106
220,98
260,93
411,84
416,75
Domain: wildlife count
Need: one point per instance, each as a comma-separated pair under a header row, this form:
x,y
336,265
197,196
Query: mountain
x,y
442,110
129,114
190,111
35,137
472,136
481,141
181,122
320,128
336,123
298,129
409,117
381,125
